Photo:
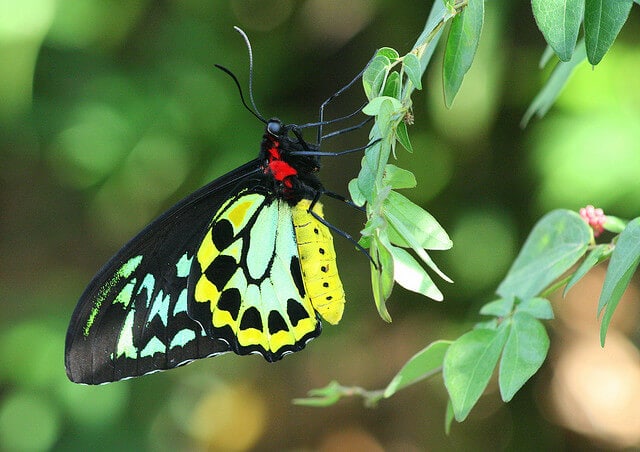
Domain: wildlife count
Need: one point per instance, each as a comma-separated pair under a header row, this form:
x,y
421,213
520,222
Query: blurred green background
x,y
111,110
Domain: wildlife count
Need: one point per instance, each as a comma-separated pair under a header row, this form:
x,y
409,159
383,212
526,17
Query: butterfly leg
x,y
328,154
336,94
340,232
347,129
348,202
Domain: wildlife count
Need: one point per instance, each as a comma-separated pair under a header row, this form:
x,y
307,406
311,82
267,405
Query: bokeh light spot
x,y
484,246
28,422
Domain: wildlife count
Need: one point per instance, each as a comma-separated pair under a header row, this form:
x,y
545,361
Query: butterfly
x,y
244,264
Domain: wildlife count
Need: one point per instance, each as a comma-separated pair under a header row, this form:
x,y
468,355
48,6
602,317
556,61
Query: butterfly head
x,y
284,161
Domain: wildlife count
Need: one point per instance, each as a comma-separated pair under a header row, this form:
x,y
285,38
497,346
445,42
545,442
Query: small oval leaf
x,y
524,352
556,242
559,21
421,224
603,20
464,36
468,365
597,255
537,307
374,76
373,107
624,261
421,365
498,308
409,274
403,136
398,178
411,66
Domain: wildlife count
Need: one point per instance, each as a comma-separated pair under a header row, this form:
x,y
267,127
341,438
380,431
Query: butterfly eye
x,y
274,126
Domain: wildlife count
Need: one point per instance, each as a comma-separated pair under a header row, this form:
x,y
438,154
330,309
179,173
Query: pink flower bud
x,y
594,218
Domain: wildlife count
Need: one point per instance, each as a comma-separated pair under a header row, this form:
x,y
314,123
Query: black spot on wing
x,y
221,270
251,319
296,274
276,323
296,311
222,234
230,302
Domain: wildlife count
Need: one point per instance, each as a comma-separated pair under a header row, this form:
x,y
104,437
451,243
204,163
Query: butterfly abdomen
x,y
318,262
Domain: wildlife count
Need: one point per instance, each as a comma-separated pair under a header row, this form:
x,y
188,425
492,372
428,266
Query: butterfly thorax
x,y
292,177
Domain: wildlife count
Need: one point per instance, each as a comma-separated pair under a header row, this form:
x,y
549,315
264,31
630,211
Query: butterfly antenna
x,y
248,43
254,111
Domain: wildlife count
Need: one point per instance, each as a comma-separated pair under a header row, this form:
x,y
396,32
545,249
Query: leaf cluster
x,y
513,339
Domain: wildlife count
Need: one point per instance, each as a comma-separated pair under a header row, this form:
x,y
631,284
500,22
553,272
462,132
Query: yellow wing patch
x,y
258,306
318,262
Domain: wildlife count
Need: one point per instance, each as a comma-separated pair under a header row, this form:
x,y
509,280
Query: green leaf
x,y
430,35
597,255
556,242
403,136
413,243
411,67
382,277
410,275
368,171
524,352
498,308
559,21
540,308
614,224
375,75
391,53
356,194
423,364
420,224
468,365
374,106
461,47
603,20
392,86
448,418
492,324
387,108
322,397
398,177
623,264
551,90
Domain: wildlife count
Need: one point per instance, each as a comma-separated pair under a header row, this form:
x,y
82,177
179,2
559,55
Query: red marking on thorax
x,y
280,169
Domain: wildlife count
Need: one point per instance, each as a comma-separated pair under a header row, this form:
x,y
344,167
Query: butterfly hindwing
x,y
132,318
248,287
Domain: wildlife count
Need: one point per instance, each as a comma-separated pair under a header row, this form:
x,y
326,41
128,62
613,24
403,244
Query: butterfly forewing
x,y
132,318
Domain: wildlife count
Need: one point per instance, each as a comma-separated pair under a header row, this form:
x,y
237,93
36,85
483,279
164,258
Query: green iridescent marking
x,y
181,304
153,346
125,341
129,267
148,284
124,272
183,267
126,293
182,337
160,307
